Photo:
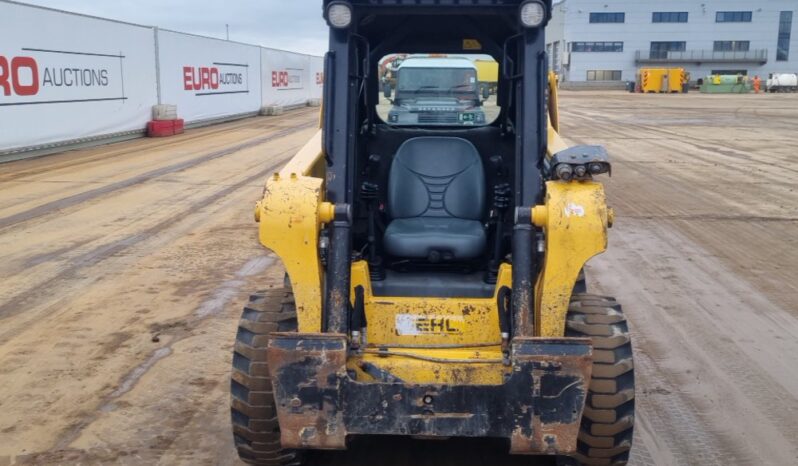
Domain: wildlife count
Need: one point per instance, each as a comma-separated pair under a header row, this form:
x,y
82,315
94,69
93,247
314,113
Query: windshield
x,y
438,90
437,81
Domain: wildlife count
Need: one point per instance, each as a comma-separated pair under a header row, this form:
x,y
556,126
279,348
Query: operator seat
x,y
436,201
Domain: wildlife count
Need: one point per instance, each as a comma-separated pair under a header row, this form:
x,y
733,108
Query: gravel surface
x,y
124,269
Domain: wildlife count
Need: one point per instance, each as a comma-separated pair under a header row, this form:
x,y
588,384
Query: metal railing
x,y
702,56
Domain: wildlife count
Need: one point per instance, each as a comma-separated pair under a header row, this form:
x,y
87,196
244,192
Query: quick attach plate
x,y
538,408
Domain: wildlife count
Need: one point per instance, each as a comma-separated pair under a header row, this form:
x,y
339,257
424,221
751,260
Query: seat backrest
x,y
436,177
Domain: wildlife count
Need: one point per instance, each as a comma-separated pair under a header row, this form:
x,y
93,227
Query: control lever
x,y
501,202
369,192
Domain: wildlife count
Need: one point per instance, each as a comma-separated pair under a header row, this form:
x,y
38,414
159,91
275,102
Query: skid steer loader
x,y
434,269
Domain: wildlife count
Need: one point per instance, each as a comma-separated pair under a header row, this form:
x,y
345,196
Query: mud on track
x,y
124,269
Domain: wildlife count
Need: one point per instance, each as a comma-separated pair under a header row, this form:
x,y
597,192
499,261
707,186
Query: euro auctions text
x,y
33,76
22,76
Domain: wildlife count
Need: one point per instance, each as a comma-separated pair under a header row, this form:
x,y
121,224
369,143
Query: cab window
x,y
438,90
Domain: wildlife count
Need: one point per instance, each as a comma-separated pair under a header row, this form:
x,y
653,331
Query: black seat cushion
x,y
451,238
436,200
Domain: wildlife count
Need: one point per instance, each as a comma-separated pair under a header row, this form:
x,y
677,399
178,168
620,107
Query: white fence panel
x,y
68,77
286,78
208,78
317,77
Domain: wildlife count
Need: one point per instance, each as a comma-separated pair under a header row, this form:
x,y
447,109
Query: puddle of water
x,y
133,376
214,304
229,289
255,266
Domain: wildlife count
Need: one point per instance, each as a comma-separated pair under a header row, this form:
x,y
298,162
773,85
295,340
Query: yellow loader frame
x,y
574,217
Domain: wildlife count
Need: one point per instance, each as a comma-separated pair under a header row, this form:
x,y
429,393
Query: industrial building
x,y
604,43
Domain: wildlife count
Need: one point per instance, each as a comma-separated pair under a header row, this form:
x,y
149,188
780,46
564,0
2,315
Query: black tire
x,y
256,431
605,435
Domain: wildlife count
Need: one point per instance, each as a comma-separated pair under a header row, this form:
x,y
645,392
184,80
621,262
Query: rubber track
x,y
256,430
605,436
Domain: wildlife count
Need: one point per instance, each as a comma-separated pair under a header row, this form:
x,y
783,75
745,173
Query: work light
x,y
339,15
532,13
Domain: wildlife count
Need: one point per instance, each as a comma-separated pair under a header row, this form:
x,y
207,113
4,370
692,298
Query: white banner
x,y
286,78
317,77
208,78
58,85
67,77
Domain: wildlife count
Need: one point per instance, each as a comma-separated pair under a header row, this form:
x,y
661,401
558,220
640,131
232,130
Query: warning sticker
x,y
574,210
412,324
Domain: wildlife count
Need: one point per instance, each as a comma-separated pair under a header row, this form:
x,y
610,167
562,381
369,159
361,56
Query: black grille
x,y
437,118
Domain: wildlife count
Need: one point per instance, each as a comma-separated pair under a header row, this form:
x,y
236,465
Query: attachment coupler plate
x,y
538,407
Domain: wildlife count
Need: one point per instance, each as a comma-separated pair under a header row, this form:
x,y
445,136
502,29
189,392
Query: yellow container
x,y
487,71
677,78
665,80
651,79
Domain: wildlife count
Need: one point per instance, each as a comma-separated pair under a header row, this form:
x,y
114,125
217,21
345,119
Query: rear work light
x,y
339,15
533,13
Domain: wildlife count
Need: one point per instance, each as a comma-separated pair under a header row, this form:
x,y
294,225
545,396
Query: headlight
x,y
339,15
533,13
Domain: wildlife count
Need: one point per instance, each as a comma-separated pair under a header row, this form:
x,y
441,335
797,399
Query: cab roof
x,y
437,26
433,3
437,62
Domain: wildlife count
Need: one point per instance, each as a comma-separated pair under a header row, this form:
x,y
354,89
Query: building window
x,y
732,45
604,75
596,46
607,17
785,29
661,49
733,17
669,17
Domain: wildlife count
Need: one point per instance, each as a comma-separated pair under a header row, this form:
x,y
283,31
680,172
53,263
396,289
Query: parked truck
x,y
436,91
782,82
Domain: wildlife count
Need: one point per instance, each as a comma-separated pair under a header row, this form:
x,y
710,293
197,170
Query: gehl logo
x,y
412,324
433,325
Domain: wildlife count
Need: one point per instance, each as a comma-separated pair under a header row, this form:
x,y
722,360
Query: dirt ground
x,y
124,269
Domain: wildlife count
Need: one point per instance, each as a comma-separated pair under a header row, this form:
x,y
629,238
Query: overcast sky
x,y
295,25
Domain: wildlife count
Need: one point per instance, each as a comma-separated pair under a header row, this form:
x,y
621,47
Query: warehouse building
x,y
603,43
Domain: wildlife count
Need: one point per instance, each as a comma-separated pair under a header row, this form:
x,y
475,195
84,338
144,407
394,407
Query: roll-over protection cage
x,y
375,28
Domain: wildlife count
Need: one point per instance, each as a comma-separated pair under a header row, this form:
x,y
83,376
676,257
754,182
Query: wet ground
x,y
124,268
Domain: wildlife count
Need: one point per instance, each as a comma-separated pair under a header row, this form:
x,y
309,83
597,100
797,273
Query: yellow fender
x,y
290,215
575,219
